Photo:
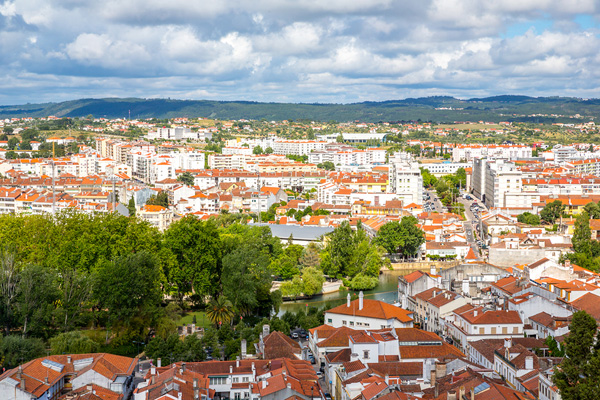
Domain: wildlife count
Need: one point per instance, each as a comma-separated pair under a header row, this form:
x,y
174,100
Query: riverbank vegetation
x,y
123,278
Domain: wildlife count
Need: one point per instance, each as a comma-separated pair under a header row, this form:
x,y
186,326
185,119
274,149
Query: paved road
x,y
469,226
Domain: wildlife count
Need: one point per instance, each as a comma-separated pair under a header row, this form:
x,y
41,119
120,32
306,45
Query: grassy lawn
x,y
201,319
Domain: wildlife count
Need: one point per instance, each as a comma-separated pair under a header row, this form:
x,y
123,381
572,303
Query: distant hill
x,y
438,109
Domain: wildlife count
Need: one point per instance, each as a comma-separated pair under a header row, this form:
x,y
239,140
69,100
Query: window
x,y
351,323
343,322
329,321
504,329
493,330
237,396
481,331
365,354
245,379
219,380
235,380
516,330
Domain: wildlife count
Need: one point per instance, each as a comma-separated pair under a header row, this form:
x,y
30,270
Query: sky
x,y
328,51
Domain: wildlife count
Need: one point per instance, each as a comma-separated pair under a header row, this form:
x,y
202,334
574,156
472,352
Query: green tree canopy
x,y
578,376
186,178
529,218
129,290
160,199
402,237
73,343
552,211
196,246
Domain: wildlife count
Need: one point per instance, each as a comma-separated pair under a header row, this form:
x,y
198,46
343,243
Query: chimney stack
x,y
508,343
348,300
158,362
432,269
529,363
264,384
461,392
183,367
153,370
451,395
266,330
360,300
432,377
69,359
237,362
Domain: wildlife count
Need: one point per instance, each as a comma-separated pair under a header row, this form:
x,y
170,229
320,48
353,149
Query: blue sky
x,y
297,50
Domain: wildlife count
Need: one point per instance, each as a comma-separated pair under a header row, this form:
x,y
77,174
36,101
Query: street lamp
x,y
138,346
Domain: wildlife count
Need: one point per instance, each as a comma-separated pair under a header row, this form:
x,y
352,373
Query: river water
x,y
386,290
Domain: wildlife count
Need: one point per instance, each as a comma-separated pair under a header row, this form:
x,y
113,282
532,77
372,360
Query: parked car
x,y
294,335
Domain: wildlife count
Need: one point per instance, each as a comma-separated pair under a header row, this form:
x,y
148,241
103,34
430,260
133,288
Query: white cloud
x,y
297,50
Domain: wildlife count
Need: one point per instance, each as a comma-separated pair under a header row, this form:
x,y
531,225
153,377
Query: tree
x,y
529,218
257,150
552,211
578,376
582,235
401,237
13,143
8,130
73,343
131,207
327,165
312,281
428,179
340,138
186,178
160,199
11,155
129,290
593,210
338,252
16,350
196,246
292,289
220,311
269,150
36,293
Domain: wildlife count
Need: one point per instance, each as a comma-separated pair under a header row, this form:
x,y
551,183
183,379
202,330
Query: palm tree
x,y
220,311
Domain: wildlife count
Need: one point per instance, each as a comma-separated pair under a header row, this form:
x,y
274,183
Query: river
x,y
386,290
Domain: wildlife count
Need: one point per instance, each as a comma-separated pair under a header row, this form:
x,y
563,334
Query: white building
x,y
405,179
368,314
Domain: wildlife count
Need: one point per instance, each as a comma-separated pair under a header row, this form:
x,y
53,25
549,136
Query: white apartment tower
x,y
405,178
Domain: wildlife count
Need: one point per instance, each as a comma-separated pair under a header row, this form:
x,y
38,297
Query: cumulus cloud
x,y
296,50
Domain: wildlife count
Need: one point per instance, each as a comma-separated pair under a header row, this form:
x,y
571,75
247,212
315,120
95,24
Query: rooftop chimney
x,y
158,363
180,395
348,300
46,380
475,313
231,369
183,367
529,363
451,395
153,370
264,384
68,359
237,362
89,388
432,377
461,392
432,269
266,330
508,343
360,300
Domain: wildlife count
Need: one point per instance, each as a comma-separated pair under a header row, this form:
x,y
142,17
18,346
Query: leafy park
x,y
74,282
